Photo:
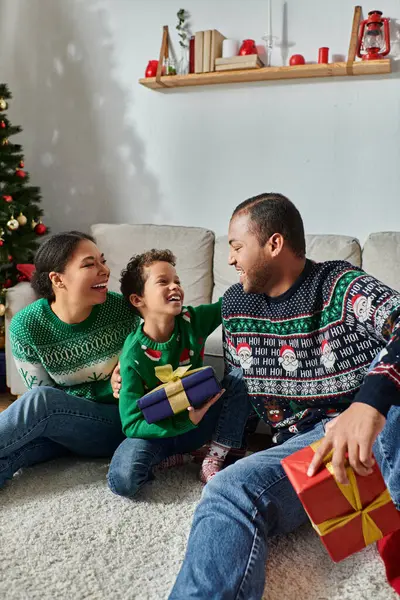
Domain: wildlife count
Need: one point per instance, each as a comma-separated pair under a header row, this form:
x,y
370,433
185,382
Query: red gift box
x,y
347,517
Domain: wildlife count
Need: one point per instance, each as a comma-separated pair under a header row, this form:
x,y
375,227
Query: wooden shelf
x,y
339,69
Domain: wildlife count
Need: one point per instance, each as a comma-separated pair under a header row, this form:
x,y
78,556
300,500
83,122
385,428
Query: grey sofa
x,y
204,270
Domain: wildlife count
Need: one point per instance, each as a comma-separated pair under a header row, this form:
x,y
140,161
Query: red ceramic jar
x,y
248,47
151,69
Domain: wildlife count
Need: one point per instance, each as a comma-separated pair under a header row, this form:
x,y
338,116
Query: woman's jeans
x,y
46,423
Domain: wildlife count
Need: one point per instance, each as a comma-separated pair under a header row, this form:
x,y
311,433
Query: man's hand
x,y
353,432
116,381
196,414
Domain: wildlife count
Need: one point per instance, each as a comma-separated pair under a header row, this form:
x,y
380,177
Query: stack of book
x,y
207,48
250,61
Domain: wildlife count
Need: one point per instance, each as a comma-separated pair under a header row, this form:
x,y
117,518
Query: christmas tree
x,y
20,215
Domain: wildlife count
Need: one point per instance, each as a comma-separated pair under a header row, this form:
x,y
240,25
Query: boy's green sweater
x,y
141,355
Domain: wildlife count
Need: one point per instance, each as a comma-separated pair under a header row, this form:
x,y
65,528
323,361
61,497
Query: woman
x,y
66,347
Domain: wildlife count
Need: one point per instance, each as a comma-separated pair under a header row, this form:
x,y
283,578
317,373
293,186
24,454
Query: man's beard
x,y
256,280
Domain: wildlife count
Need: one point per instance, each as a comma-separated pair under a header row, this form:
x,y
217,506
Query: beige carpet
x,y
64,536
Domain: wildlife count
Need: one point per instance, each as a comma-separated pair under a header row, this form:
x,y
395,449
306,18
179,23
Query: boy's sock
x,y
175,460
213,461
199,455
233,455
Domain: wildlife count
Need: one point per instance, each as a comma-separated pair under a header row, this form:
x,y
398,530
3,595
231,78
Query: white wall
x,y
104,149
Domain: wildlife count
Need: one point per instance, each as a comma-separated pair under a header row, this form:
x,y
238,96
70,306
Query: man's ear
x,y
136,301
56,279
275,243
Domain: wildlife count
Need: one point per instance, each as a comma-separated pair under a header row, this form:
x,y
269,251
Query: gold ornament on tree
x,y
3,104
12,224
22,220
2,310
5,142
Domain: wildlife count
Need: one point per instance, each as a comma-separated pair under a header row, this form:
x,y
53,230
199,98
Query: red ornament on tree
x,y
21,164
7,284
1,243
7,198
20,173
40,229
3,124
10,258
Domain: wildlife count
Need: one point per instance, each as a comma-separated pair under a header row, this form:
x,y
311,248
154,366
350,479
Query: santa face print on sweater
x,y
328,357
361,307
288,359
245,357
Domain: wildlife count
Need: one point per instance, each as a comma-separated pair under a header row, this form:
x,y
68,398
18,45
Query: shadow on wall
x,y
84,152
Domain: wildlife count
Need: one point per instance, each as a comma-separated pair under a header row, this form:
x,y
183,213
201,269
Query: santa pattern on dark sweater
x,y
305,354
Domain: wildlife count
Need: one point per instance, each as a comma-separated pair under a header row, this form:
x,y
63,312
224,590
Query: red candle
x,y
323,54
191,55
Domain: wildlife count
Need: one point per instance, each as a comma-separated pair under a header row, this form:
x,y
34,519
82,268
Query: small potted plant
x,y
184,37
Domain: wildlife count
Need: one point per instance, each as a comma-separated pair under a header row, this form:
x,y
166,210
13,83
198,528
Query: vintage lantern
x,y
373,42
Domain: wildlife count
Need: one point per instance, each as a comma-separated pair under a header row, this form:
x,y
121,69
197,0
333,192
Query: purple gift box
x,y
174,397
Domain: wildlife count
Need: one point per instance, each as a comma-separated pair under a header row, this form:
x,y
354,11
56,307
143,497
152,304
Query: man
x,y
311,347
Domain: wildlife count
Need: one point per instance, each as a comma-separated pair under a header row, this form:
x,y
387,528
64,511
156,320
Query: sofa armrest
x,y
17,298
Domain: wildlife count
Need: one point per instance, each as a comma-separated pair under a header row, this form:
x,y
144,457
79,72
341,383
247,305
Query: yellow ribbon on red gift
x,y
371,531
172,382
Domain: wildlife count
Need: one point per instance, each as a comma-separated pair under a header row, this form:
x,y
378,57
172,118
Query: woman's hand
x,y
116,381
196,414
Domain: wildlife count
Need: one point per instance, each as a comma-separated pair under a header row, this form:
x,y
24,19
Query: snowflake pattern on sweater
x,y
305,354
78,358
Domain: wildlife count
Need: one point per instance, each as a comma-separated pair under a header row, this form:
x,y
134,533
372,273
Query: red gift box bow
x,y
371,531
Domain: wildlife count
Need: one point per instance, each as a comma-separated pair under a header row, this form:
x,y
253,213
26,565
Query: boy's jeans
x,y
132,464
236,409
46,423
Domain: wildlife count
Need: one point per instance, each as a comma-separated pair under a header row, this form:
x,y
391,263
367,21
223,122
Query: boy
x,y
170,334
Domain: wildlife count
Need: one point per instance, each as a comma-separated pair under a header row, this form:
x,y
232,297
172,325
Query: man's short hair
x,y
274,213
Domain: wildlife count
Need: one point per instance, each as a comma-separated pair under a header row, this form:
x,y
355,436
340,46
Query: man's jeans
x,y
245,504
132,464
46,423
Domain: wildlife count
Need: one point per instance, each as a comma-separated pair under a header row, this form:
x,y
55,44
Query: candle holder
x,y
270,41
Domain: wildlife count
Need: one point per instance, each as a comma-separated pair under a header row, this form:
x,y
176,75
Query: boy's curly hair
x,y
133,277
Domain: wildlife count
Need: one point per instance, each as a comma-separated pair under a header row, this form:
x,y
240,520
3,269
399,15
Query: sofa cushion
x,y
319,248
213,345
381,257
192,246
224,274
322,247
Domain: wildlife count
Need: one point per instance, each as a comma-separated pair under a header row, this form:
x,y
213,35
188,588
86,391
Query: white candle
x,y
269,30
